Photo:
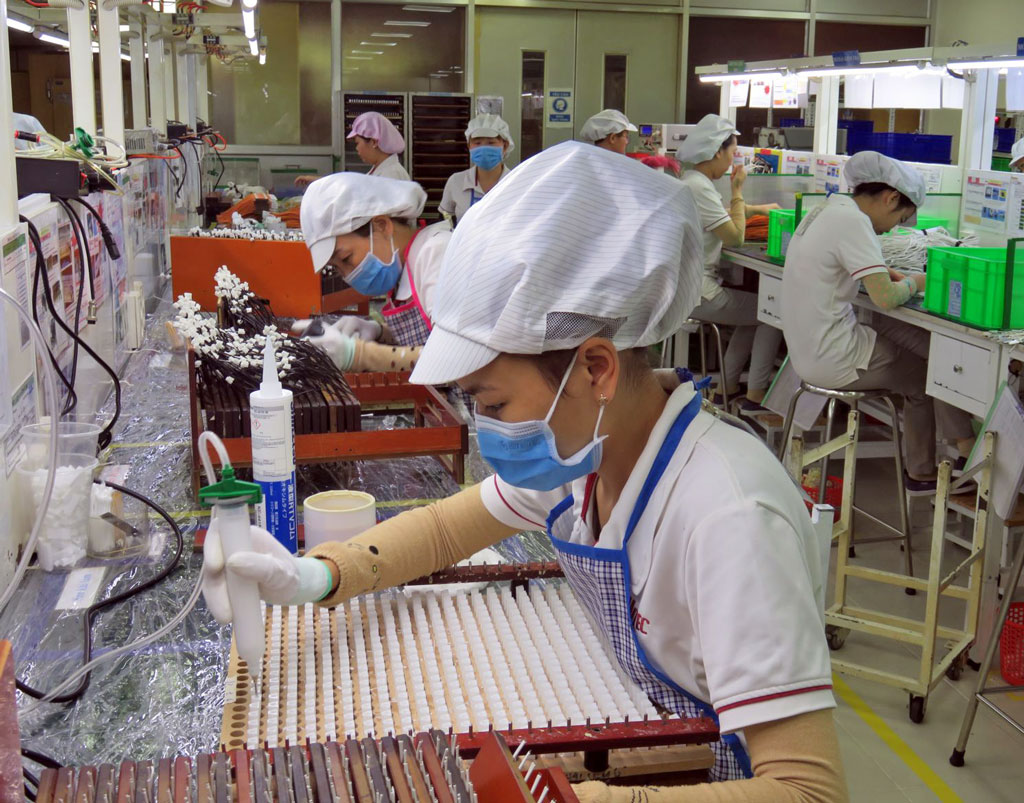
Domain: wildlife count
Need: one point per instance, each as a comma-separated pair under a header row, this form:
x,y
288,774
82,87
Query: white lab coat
x,y
390,168
460,189
725,569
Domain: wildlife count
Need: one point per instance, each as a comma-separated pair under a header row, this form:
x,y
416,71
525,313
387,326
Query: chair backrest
x,y
822,517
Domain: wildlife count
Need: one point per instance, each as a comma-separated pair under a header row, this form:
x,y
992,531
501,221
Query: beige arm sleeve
x,y
795,760
738,215
412,545
372,356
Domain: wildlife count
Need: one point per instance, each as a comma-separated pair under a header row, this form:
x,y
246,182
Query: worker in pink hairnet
x,y
378,144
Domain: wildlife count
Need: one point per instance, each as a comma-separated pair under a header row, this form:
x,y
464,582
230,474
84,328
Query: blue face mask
x,y
372,277
486,156
525,454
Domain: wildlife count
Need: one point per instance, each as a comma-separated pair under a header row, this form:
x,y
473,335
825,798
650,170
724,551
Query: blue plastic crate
x,y
1005,137
791,122
865,126
931,148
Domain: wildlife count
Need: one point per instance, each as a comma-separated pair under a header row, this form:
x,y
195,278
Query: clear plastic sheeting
x,y
167,699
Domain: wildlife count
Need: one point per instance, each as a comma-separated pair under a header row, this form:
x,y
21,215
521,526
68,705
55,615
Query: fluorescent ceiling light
x,y
249,4
430,9
124,28
249,23
866,69
254,47
717,78
378,44
369,52
395,35
359,58
263,57
989,64
18,25
408,23
53,39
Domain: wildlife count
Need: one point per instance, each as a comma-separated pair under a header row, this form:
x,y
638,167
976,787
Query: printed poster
x,y
761,93
987,202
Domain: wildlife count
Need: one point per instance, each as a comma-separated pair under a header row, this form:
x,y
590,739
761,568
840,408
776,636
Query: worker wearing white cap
x,y
1017,157
836,247
608,129
708,152
364,227
683,536
489,141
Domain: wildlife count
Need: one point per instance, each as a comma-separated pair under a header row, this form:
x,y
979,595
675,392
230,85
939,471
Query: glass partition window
x,y
614,82
533,103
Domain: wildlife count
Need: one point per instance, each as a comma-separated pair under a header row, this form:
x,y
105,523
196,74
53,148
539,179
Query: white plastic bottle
x,y
271,414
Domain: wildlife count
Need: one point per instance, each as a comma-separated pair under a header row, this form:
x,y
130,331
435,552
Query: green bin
x,y
969,285
781,224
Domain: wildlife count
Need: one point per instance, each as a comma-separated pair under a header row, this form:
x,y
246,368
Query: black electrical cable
x,y
40,271
96,607
86,267
108,235
184,172
41,759
105,435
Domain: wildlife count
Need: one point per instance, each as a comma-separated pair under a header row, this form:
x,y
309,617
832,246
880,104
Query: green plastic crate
x,y
781,224
1001,163
969,284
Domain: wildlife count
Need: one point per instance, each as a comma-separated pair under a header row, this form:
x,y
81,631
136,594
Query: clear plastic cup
x,y
75,436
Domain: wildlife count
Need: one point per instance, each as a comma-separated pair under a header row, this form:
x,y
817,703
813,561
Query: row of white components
x,y
404,661
249,234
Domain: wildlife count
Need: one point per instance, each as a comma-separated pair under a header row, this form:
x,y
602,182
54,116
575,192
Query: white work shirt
x,y
712,215
725,569
390,168
424,261
460,189
833,248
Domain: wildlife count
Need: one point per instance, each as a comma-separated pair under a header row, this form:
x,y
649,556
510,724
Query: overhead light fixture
x,y
910,68
254,47
368,52
359,58
53,39
717,78
395,35
989,64
248,4
263,56
18,25
379,44
124,28
249,23
408,23
430,9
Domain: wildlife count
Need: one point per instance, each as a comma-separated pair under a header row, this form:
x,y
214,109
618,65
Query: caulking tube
x,y
271,414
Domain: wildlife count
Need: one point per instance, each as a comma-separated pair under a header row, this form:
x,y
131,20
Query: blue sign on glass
x,y
846,58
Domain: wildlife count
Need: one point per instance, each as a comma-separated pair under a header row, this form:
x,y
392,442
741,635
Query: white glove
x,y
341,348
283,579
351,325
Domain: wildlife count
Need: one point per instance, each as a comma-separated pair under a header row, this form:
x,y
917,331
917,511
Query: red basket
x,y
833,494
1011,646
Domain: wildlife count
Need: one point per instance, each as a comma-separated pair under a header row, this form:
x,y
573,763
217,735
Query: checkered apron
x,y
600,579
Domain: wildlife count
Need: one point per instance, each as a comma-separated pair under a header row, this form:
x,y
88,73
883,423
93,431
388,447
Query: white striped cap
x,y
573,243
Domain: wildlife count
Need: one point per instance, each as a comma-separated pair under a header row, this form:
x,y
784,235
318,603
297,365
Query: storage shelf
x,y
438,125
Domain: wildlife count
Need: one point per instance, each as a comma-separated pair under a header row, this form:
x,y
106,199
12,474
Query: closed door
x,y
627,62
527,58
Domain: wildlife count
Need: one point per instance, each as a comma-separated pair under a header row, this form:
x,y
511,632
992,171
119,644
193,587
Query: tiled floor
x,y
887,757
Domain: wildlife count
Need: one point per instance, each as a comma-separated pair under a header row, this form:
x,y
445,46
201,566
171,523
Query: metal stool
x,y
697,325
848,443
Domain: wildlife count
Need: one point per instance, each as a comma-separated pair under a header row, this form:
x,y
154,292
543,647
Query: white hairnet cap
x,y
343,202
490,125
706,139
869,167
576,242
604,124
1018,152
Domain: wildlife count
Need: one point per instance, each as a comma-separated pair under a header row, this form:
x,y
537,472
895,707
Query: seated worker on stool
x,y
365,228
833,248
708,151
683,536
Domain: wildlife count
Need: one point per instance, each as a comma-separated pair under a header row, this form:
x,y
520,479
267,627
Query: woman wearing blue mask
x,y
682,536
489,143
364,227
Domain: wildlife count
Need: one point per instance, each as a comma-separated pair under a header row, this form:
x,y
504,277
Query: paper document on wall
x,y
1006,420
797,163
739,90
908,91
760,93
1015,207
780,394
952,92
828,174
1015,90
932,175
786,92
987,200
859,91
